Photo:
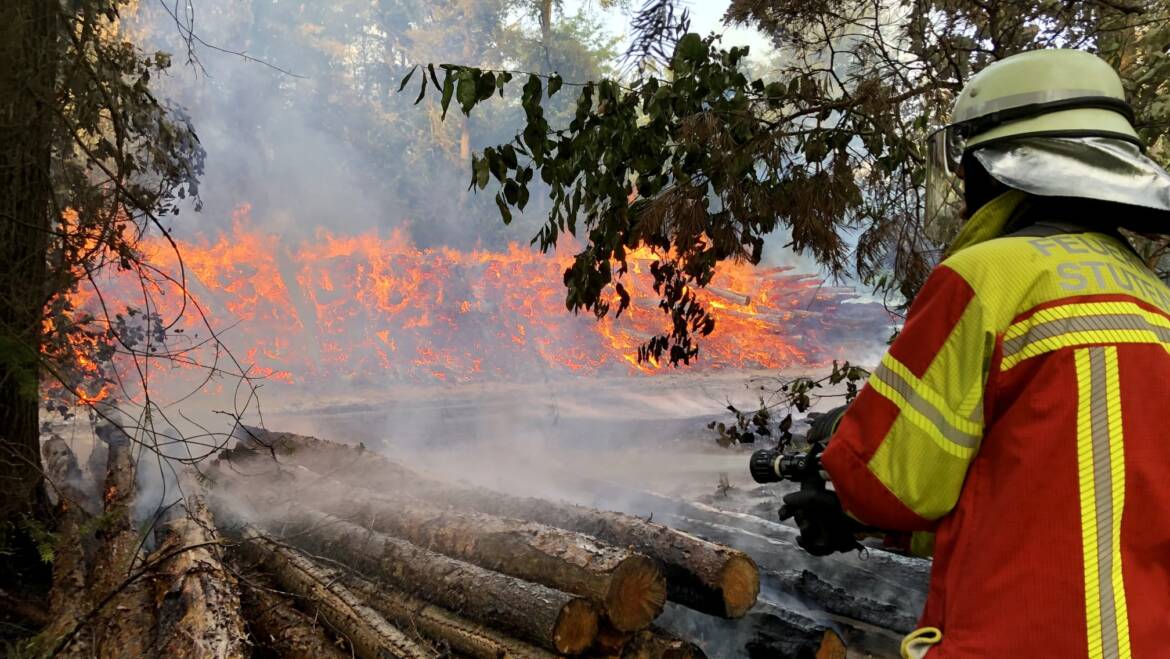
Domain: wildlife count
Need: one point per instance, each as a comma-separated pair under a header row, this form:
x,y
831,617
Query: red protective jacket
x,y
1019,415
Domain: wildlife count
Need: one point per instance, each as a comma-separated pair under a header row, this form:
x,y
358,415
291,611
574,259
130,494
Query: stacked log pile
x,y
289,546
523,568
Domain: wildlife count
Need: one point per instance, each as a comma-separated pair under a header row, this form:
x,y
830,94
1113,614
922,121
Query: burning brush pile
x,y
270,554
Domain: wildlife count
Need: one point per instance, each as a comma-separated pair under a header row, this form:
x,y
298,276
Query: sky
x,y
705,17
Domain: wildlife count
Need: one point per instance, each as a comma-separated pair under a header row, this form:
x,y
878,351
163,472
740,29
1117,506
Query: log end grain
x,y
832,647
740,584
576,627
637,593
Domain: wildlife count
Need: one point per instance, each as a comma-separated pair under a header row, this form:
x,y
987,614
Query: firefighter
x,y
1018,415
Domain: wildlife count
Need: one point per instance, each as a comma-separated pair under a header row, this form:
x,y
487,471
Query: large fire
x,y
374,307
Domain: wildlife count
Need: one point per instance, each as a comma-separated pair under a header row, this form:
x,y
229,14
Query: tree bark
x,y
369,633
198,600
28,64
459,634
549,618
701,575
629,587
278,627
125,627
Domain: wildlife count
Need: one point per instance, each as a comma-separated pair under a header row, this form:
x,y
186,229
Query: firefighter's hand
x,y
821,428
824,526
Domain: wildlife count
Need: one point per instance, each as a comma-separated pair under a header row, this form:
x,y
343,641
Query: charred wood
x,y
126,624
68,598
659,644
458,634
278,630
549,618
370,635
198,599
765,634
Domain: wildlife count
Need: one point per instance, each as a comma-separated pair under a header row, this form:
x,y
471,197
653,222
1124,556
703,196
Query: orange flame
x,y
372,307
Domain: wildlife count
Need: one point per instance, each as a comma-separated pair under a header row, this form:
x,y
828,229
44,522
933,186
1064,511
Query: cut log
x,y
198,600
126,624
457,633
278,628
549,618
628,586
68,598
702,575
368,632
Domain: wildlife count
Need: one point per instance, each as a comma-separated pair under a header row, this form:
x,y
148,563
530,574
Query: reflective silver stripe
x,y
1103,499
893,380
1019,100
1100,323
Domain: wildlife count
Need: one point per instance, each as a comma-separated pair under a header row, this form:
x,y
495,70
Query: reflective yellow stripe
x,y
1080,324
1117,468
923,406
1101,476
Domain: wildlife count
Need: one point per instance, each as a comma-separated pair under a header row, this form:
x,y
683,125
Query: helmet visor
x,y
944,187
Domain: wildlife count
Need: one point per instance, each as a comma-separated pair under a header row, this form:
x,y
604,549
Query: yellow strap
x,y
918,642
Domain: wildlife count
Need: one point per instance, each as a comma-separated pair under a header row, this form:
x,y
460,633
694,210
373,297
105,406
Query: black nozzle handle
x,y
765,466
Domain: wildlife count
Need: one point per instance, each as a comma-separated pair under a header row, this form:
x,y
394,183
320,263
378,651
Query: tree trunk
x,y
199,605
278,627
459,634
628,586
551,619
701,575
369,633
28,64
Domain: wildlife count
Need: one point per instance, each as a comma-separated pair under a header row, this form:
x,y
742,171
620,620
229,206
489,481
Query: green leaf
x,y
554,84
482,172
448,90
422,91
434,78
505,213
691,47
509,156
485,86
402,85
465,93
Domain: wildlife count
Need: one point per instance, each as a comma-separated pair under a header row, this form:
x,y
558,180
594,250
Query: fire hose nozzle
x,y
765,466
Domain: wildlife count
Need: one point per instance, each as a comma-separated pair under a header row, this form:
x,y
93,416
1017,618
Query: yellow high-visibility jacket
x,y
1023,414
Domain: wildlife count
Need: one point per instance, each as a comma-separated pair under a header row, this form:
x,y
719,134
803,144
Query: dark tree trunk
x,y
28,65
